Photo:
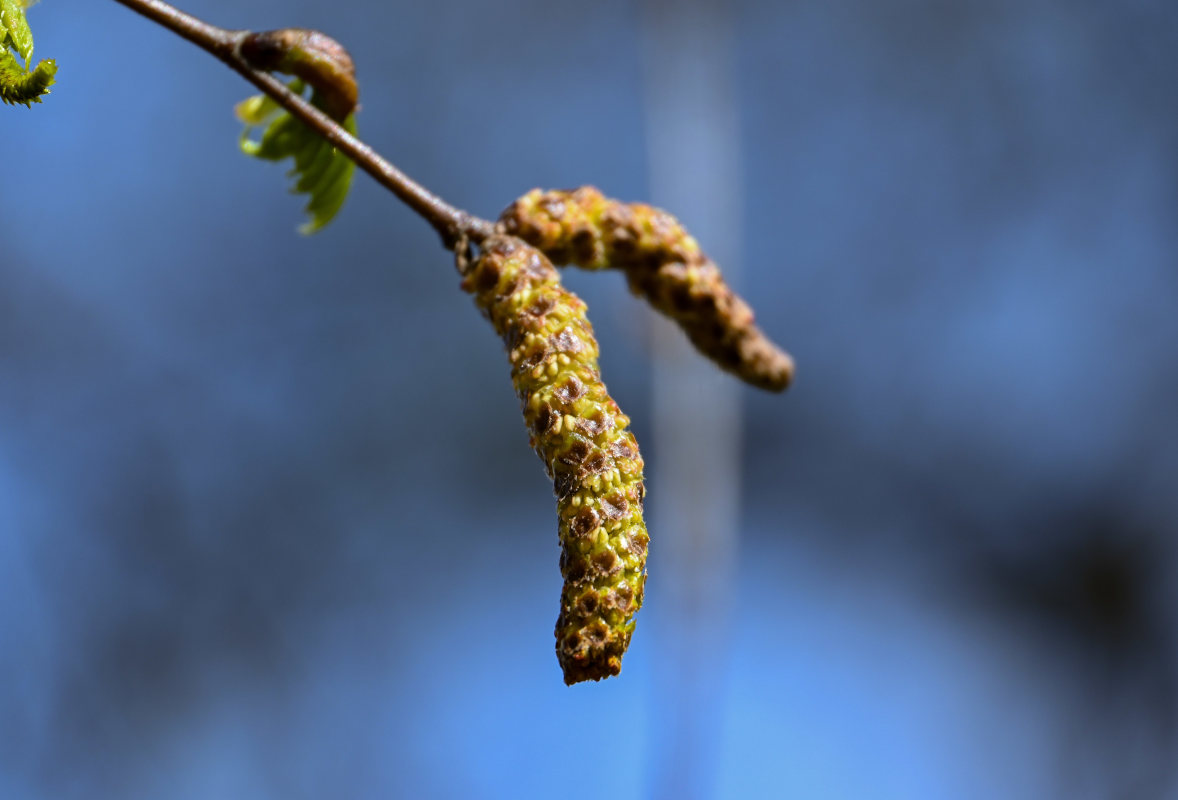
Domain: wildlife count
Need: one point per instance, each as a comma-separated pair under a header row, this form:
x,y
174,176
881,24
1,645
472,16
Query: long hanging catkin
x,y
582,438
663,264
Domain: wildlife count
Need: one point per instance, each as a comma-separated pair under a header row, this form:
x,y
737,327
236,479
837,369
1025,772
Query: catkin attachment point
x,y
463,254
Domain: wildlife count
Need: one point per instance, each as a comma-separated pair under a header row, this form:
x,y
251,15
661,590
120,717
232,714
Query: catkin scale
x,y
663,264
583,439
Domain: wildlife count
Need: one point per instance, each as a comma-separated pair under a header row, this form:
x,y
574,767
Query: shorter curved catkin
x,y
582,438
663,264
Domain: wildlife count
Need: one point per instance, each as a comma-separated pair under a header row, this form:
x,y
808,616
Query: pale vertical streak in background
x,y
695,485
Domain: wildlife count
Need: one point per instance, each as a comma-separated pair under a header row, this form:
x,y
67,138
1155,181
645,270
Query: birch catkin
x,y
663,264
582,438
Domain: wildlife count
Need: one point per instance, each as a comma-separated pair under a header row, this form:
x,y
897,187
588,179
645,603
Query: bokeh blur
x,y
269,524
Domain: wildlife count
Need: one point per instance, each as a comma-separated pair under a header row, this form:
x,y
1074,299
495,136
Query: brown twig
x,y
451,223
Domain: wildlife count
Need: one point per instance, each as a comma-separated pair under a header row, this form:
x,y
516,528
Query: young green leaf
x,y
260,108
321,171
18,83
20,37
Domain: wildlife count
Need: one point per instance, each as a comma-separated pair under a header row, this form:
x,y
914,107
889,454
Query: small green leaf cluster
x,y
321,170
19,83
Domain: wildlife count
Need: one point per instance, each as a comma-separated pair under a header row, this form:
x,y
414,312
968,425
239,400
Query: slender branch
x,y
452,223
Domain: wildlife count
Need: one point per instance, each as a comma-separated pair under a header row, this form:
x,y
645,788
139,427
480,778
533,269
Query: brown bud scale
x,y
663,264
583,439
312,56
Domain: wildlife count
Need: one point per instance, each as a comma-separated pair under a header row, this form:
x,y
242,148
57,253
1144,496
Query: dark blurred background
x,y
269,524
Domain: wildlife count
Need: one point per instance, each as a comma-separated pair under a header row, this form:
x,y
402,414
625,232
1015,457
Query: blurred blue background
x,y
269,524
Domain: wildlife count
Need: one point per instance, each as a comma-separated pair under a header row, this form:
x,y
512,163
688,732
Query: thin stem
x,y
452,223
